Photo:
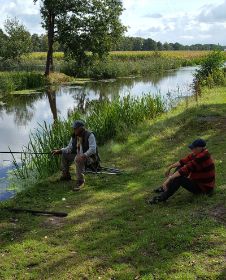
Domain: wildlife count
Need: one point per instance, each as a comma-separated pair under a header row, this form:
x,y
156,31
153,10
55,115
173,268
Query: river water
x,y
21,114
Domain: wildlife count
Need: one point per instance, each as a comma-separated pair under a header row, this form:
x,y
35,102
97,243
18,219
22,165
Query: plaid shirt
x,y
200,169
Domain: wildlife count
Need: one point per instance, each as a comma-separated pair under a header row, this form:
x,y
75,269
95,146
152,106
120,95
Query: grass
x,y
110,232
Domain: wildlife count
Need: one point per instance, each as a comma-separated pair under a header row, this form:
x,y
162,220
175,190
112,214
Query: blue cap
x,y
78,123
198,143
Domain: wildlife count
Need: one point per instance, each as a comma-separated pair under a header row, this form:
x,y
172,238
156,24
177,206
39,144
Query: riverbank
x,y
31,82
110,232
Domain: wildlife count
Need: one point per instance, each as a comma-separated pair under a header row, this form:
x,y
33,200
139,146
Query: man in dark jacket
x,y
82,149
195,173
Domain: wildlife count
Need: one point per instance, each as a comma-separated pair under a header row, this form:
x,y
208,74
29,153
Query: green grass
x,y
110,232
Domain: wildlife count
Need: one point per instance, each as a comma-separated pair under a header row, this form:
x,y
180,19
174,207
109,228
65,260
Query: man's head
x,y
197,146
78,127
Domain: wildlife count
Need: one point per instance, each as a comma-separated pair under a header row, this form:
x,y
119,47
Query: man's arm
x,y
174,165
92,146
68,149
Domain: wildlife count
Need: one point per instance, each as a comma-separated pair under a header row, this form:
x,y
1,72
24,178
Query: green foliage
x,y
117,66
108,120
211,71
81,26
12,81
17,42
92,26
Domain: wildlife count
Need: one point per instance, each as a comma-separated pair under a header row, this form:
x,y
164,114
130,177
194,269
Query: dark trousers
x,y
178,182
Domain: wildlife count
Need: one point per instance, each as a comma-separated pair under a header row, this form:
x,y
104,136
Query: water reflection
x,y
20,114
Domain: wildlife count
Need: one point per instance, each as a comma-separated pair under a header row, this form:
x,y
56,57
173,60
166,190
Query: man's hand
x,y
56,152
81,158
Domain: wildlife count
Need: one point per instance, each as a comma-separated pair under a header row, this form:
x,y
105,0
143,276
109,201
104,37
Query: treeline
x,y
141,44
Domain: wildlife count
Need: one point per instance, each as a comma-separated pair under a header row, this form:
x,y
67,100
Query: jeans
x,y
178,182
68,159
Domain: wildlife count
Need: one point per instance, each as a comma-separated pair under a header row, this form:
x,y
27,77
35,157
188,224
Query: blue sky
x,y
187,22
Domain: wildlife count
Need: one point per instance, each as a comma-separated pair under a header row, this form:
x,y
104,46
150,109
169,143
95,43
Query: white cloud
x,y
213,13
202,21
25,11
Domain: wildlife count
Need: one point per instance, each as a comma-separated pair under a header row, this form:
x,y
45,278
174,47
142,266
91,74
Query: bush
x,y
211,72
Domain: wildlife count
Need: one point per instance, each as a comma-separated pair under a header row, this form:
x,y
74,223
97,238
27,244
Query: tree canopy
x,y
16,40
81,26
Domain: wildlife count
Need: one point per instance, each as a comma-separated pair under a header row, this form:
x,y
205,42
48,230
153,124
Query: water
x,y
19,115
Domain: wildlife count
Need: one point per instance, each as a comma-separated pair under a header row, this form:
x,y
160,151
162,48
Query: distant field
x,y
133,54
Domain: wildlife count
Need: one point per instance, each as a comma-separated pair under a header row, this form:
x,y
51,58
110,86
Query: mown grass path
x,y
110,232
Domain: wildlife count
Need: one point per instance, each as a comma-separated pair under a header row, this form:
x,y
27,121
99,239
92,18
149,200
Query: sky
x,y
186,22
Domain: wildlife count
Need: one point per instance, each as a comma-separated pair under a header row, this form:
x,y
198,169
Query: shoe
x,y
79,185
65,178
155,200
159,190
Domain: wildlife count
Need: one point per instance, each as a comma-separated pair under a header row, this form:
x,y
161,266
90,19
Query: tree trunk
x,y
49,60
52,102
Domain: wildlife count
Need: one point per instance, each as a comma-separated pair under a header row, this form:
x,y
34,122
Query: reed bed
x,y
13,81
108,120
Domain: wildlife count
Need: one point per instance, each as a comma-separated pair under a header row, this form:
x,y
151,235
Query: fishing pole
x,y
36,212
27,153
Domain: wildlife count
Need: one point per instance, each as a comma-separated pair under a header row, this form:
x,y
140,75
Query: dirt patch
x,y
219,213
216,121
54,222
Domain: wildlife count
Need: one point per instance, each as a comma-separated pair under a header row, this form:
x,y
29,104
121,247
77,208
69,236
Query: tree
x,y
50,11
18,40
91,26
81,26
149,45
3,40
36,42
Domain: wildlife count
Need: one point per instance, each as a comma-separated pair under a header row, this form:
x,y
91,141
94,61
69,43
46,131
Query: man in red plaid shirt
x,y
195,173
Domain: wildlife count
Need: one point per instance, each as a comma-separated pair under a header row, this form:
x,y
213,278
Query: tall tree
x,y
81,26
50,11
18,40
91,26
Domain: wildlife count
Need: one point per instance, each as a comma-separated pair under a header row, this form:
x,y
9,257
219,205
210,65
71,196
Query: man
x,y
82,149
195,173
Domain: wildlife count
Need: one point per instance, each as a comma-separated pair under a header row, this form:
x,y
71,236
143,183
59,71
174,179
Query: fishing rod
x,y
27,153
36,212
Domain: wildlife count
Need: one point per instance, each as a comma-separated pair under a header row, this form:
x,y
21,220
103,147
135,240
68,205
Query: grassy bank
x,y
21,82
110,233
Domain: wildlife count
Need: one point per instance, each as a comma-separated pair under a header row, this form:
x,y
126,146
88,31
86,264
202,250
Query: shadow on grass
x,y
110,231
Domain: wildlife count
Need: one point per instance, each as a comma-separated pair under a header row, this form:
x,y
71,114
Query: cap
x,y
198,143
78,123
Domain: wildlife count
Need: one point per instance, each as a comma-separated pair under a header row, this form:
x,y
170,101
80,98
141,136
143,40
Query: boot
x,y
65,176
79,185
